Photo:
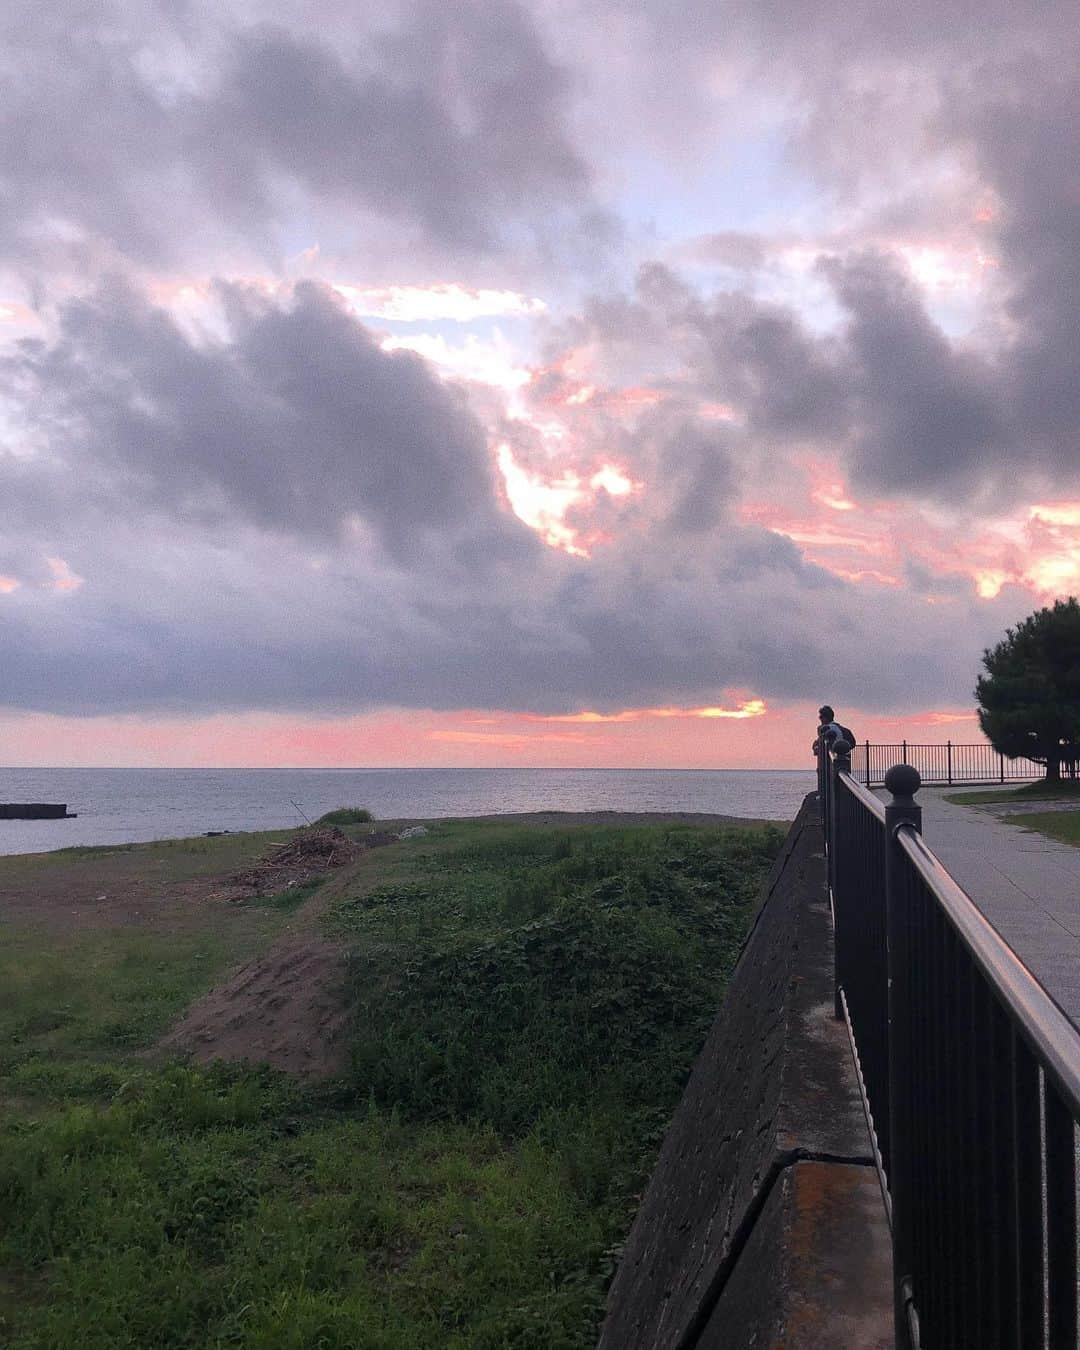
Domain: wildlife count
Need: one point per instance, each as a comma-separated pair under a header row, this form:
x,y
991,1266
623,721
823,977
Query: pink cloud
x,y
1036,547
64,579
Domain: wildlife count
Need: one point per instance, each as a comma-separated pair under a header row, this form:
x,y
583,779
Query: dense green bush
x,y
346,815
572,970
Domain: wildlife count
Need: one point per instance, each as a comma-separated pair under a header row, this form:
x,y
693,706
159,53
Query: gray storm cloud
x,y
208,493
279,513
158,131
297,423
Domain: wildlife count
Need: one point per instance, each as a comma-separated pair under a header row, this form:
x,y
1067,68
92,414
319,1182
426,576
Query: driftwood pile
x,y
297,860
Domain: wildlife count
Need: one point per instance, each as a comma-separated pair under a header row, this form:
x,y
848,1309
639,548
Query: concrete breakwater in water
x,y
35,811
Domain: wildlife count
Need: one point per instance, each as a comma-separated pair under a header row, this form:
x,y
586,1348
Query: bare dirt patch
x,y
285,1009
115,889
170,886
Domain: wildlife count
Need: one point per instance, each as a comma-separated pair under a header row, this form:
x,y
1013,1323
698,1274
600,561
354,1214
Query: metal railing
x,y
970,1076
950,764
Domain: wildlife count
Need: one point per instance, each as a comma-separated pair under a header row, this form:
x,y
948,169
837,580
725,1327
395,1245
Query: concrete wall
x,y
763,1223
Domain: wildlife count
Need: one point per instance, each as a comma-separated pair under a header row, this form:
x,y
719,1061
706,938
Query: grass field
x,y
1062,825
526,1004
1041,791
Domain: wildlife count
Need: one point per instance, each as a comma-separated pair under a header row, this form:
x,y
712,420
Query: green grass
x,y
1063,825
100,992
1040,791
526,1005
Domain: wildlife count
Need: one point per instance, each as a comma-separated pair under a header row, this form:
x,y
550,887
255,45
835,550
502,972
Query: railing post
x,y
948,758
902,781
867,775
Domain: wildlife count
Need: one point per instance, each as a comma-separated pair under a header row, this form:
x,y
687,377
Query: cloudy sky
x,y
563,382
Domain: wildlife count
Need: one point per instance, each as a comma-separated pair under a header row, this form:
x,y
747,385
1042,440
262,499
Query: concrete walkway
x,y
1027,885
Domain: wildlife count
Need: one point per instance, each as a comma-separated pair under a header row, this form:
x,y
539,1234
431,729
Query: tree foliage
x,y
1029,698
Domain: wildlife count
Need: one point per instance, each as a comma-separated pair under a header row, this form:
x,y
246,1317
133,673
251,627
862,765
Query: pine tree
x,y
1029,698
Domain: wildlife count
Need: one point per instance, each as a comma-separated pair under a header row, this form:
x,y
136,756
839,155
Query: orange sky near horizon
x,y
778,738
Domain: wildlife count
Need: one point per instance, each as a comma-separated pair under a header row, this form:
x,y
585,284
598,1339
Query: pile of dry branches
x,y
295,861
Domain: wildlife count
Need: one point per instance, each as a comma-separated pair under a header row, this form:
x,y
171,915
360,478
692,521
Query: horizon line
x,y
405,768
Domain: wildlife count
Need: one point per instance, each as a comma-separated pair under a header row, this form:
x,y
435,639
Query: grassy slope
x,y
1041,791
109,974
528,1003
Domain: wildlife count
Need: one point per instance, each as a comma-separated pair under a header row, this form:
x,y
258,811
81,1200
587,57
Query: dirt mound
x,y
307,855
285,1009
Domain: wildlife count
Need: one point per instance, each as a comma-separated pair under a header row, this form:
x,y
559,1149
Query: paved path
x,y
1027,885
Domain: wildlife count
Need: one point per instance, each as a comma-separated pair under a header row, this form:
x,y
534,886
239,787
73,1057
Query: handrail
x,y
1052,1036
873,804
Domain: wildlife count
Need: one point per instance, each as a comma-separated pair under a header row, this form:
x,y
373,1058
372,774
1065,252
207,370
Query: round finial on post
x,y
903,781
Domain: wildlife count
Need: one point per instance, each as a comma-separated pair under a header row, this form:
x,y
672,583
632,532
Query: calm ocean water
x,y
130,805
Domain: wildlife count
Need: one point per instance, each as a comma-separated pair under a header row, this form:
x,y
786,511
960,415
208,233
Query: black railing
x,y
951,763
971,1082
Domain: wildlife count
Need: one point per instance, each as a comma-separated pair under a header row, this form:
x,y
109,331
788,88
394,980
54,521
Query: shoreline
x,y
551,817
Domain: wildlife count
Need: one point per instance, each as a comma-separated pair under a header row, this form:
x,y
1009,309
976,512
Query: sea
x,y
119,806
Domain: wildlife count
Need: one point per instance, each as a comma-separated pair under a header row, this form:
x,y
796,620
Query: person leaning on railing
x,y
829,730
828,733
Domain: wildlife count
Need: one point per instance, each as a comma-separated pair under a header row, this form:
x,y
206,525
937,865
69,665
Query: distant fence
x,y
971,1081
947,764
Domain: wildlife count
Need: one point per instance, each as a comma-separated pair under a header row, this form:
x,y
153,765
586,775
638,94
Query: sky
x,y
552,383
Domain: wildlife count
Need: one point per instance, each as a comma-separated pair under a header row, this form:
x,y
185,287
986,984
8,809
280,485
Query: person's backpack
x,y
849,736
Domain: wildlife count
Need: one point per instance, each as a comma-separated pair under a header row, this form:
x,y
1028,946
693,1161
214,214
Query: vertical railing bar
x,y
968,1274
985,1237
902,812
941,1070
1005,1233
954,1160
929,1295
922,1129
1028,1176
1060,1219
993,1155
980,1200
